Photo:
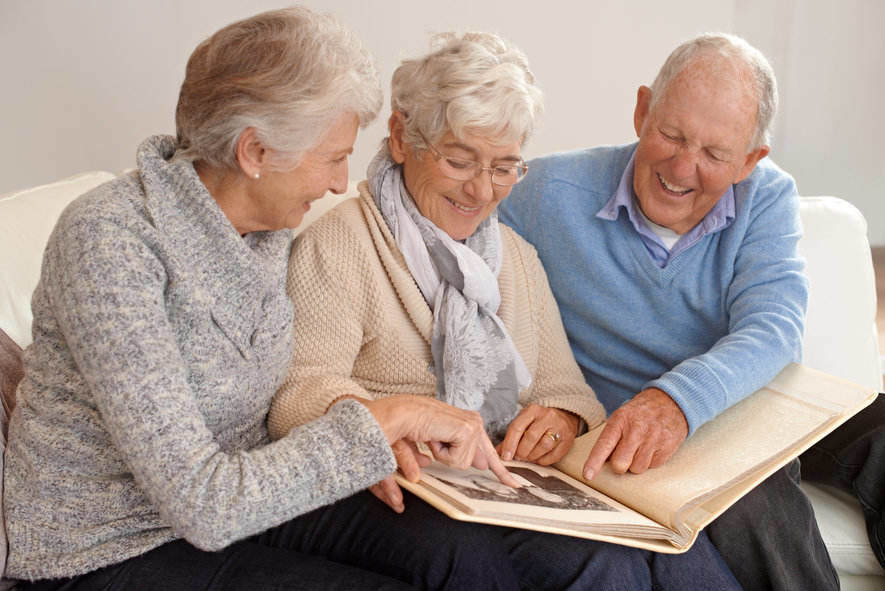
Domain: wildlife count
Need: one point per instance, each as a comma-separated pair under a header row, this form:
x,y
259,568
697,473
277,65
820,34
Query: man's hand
x,y
642,434
539,434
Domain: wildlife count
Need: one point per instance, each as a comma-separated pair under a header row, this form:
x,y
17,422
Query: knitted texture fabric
x,y
717,323
362,326
160,337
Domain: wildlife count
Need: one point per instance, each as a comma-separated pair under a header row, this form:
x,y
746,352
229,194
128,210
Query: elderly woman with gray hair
x,y
414,289
138,452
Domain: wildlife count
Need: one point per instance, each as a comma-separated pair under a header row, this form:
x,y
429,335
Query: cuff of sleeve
x,y
304,399
347,449
588,409
693,396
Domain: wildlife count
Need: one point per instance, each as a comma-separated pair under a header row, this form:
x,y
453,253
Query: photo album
x,y
664,508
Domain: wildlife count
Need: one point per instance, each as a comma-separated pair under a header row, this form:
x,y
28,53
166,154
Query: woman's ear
x,y
251,154
398,146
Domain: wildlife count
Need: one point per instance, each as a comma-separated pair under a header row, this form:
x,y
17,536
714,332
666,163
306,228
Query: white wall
x,y
85,81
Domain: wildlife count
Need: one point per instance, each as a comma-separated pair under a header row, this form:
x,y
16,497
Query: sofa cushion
x,y
843,529
26,219
840,327
10,375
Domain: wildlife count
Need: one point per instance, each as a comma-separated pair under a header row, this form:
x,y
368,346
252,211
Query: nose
x,y
338,182
481,187
683,162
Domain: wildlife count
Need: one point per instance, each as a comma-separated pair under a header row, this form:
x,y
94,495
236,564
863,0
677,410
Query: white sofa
x,y
841,337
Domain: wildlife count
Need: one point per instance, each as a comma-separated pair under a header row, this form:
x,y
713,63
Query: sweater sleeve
x,y
106,288
558,381
324,279
765,302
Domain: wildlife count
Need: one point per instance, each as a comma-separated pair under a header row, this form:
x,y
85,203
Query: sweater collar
x,y
236,272
395,265
624,199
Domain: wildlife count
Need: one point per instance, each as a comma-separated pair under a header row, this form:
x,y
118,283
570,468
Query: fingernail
x,y
508,455
589,474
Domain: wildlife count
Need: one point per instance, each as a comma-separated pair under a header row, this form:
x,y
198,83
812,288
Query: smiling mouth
x,y
463,208
674,189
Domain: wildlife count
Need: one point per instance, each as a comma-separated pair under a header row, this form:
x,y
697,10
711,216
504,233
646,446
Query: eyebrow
x,y
466,148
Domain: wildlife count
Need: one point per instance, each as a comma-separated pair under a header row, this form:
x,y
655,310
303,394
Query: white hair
x,y
477,83
737,52
289,74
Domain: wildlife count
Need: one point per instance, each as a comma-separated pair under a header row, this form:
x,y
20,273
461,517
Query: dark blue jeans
x,y
336,547
852,458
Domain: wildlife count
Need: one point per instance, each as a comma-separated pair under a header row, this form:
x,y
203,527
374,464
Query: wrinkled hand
x,y
642,434
528,436
455,437
410,462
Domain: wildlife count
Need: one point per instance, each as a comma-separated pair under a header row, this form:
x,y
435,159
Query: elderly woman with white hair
x,y
138,452
415,289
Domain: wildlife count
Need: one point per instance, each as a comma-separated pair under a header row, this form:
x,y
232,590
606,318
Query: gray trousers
x,y
770,539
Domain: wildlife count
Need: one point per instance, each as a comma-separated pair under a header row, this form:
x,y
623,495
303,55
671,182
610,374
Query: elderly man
x,y
674,264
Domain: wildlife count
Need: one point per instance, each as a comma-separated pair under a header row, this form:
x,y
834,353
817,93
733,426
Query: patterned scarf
x,y
476,364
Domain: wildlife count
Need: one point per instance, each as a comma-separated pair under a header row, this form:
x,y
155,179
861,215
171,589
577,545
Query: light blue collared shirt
x,y
716,219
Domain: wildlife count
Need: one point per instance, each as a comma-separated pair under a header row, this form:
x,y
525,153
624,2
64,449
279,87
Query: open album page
x,y
763,430
547,501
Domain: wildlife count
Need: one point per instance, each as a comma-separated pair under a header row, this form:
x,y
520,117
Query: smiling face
x,y
281,198
693,145
456,207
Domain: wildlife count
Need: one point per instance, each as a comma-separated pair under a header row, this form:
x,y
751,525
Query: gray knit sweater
x,y
160,336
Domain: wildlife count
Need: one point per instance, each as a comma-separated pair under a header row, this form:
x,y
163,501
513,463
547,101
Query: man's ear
x,y
251,154
396,126
750,163
643,102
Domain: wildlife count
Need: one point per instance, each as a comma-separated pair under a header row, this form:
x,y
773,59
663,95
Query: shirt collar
x,y
716,219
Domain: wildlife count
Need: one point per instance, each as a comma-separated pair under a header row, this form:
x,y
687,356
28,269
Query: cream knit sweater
x,y
362,326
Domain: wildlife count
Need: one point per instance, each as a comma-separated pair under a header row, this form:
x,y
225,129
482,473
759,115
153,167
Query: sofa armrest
x,y
11,373
840,329
26,220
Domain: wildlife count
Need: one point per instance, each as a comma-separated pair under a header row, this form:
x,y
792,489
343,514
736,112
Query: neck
x,y
228,188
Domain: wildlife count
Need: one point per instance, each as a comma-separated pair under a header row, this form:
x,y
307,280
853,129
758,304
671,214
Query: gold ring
x,y
554,436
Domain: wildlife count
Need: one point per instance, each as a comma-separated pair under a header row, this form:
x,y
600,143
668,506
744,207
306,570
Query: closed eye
x,y
717,156
459,164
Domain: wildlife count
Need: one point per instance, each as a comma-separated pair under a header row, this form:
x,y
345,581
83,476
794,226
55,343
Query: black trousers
x,y
852,458
359,543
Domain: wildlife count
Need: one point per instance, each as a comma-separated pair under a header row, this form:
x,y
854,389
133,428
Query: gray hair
x,y
289,74
477,82
739,53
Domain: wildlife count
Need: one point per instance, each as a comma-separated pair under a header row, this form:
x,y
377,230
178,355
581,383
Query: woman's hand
x,y
539,434
410,462
456,438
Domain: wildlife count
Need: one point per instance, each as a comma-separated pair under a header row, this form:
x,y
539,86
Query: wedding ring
x,y
554,436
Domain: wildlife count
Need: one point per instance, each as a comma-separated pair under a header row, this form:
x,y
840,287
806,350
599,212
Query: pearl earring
x,y
255,176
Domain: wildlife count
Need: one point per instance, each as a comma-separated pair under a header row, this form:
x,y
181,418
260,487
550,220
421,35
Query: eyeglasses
x,y
459,169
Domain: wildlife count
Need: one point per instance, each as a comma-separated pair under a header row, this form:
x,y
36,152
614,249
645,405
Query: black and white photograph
x,y
537,489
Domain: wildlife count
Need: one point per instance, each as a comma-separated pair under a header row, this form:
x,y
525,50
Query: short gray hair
x,y
289,74
476,82
738,51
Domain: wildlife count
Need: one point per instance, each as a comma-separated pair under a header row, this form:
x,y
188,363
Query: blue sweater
x,y
714,325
